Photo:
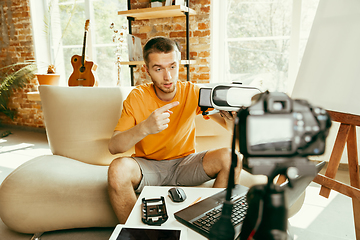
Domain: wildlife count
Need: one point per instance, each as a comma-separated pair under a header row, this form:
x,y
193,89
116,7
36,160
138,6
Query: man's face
x,y
163,69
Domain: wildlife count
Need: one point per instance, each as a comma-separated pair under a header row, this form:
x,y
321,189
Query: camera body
x,y
275,126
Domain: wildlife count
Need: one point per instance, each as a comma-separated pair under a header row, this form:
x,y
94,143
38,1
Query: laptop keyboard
x,y
207,220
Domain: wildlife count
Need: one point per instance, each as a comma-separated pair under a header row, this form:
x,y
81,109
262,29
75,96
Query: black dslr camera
x,y
277,128
275,134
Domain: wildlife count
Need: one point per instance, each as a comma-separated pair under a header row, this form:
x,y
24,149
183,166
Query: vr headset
x,y
228,97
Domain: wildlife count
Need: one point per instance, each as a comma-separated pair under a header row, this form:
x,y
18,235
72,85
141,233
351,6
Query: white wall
x,y
329,74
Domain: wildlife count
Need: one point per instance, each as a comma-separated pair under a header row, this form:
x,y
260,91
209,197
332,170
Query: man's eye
x,y
158,69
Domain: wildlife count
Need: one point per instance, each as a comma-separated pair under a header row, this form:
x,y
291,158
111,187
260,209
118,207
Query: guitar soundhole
x,y
75,59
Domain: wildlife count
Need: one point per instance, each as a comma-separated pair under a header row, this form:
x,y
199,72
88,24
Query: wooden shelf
x,y
184,62
157,12
132,63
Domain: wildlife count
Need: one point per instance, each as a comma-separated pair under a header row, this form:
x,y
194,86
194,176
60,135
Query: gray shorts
x,y
186,171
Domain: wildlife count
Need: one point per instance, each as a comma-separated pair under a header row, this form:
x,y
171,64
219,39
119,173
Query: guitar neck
x,y
83,51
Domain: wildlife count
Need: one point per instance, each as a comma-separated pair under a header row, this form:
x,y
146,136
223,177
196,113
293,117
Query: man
x,y
159,119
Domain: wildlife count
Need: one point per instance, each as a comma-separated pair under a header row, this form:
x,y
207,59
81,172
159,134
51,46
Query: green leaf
x,y
14,77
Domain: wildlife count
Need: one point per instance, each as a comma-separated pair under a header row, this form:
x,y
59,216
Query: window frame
x,y
44,55
219,43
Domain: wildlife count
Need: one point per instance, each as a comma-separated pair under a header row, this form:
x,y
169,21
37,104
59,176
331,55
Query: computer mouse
x,y
177,194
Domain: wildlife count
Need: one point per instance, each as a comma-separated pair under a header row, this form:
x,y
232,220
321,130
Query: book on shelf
x,y
175,2
134,48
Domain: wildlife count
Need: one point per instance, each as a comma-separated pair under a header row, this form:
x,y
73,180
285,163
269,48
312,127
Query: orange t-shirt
x,y
178,140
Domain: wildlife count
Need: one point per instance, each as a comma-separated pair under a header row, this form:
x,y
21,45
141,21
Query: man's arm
x,y
157,121
122,141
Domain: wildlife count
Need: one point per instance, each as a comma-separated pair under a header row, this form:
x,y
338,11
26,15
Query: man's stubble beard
x,y
165,90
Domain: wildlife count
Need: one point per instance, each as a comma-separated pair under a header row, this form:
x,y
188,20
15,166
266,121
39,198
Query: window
x,y
262,43
64,33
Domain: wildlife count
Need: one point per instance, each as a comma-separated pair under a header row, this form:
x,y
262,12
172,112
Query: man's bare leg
x,y
217,164
123,177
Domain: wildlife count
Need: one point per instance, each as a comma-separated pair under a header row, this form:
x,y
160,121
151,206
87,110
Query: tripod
x,y
266,217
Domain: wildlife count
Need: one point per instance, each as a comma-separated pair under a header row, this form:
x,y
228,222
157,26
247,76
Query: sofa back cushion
x,y
79,121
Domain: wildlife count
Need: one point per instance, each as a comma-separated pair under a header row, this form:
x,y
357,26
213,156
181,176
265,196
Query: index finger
x,y
168,106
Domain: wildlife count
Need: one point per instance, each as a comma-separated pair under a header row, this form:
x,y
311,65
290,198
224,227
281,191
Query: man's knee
x,y
225,154
123,170
217,160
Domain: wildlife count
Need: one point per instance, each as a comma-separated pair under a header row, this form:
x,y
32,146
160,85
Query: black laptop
x,y
202,215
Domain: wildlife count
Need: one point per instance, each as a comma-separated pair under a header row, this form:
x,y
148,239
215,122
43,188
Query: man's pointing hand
x,y
159,119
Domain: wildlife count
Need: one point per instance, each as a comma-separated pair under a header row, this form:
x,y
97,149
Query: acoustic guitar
x,y
83,70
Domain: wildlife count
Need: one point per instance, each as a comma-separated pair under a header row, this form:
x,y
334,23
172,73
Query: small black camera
x,y
277,126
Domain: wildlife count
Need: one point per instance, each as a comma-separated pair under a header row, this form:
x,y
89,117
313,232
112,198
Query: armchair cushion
x,y
54,192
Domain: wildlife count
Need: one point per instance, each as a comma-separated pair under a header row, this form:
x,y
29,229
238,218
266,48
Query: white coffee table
x,y
192,193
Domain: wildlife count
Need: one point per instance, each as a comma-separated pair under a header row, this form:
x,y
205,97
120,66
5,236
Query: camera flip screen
x,y
270,135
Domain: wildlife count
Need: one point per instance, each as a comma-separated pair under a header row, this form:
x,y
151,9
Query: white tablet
x,y
147,232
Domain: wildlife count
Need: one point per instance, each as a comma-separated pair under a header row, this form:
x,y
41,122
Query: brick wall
x,y
16,42
175,28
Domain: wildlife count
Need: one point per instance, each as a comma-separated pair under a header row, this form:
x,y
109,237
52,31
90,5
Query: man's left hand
x,y
227,115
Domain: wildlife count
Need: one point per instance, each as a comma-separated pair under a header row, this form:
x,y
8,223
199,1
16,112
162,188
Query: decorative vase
x,y
48,79
156,4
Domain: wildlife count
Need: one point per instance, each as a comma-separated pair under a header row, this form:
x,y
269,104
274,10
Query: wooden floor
x,y
319,218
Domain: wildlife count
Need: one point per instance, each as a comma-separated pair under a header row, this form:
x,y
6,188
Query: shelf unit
x,y
183,62
159,12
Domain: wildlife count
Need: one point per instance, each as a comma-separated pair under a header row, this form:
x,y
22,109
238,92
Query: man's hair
x,y
159,45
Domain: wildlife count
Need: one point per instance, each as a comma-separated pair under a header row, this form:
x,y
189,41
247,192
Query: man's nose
x,y
167,74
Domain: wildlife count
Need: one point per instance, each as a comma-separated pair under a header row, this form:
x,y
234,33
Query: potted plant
x,y
50,78
13,77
